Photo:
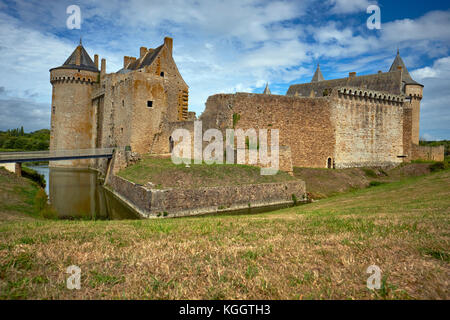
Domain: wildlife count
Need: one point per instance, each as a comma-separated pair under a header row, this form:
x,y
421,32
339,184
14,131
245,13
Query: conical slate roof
x,y
86,62
318,76
267,90
406,77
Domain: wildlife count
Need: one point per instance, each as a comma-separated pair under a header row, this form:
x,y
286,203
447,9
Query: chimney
x,y
143,51
78,56
96,60
352,74
103,69
126,61
169,44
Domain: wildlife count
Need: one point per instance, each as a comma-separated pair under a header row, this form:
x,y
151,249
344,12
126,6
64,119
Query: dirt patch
x,y
323,183
409,170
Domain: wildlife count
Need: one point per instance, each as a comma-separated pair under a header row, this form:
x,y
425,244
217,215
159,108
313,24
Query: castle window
x,y
329,163
123,103
162,74
170,144
149,103
53,109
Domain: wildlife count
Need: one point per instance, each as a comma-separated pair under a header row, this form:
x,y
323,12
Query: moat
x,y
79,194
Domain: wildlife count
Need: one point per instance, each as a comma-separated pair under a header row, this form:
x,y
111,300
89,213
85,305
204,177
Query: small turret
x,y
318,76
398,64
414,91
267,90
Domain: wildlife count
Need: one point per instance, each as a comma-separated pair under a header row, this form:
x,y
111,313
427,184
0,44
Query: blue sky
x,y
227,46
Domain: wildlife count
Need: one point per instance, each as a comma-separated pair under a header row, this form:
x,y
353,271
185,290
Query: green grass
x,y
369,172
163,174
315,251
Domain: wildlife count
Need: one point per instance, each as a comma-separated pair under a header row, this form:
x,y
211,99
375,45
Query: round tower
x,y
72,116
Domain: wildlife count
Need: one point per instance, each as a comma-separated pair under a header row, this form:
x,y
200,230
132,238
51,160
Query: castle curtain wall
x,y
369,130
304,123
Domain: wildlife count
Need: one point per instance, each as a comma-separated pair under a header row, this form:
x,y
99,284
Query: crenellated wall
x,y
368,128
350,127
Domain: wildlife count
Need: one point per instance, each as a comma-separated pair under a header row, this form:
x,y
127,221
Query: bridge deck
x,y
54,155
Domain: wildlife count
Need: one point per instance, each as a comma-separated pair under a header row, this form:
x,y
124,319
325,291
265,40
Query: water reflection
x,y
78,194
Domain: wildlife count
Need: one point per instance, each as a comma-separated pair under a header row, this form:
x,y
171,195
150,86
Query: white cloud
x,y
435,105
219,46
349,6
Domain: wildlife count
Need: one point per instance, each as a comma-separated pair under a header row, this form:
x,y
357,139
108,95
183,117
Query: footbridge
x,y
55,155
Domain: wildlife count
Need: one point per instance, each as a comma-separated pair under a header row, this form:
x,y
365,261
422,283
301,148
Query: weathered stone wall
x,y
161,144
350,128
136,108
136,196
407,133
150,202
71,113
178,202
304,123
415,93
369,128
284,159
428,153
183,202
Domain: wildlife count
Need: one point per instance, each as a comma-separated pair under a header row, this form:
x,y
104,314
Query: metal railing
x,y
55,154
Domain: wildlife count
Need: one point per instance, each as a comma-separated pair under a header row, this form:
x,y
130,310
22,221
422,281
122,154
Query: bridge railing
x,y
55,154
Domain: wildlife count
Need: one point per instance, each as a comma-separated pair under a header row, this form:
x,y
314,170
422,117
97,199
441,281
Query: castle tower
x,y
266,89
71,110
411,89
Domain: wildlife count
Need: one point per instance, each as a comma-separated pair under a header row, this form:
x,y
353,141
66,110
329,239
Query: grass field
x,y
315,251
164,174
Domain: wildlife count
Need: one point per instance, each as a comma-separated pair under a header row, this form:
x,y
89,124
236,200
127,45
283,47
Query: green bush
x,y
375,183
48,213
369,172
236,118
33,175
40,200
294,199
42,207
439,166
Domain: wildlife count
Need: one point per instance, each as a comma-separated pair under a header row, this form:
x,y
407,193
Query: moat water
x,y
79,194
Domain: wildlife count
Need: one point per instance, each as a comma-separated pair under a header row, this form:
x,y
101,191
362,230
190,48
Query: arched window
x,y
329,163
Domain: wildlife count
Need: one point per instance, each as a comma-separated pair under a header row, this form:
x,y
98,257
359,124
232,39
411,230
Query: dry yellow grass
x,y
315,251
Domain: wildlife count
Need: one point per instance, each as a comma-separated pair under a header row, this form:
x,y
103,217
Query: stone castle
x,y
138,106
369,120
